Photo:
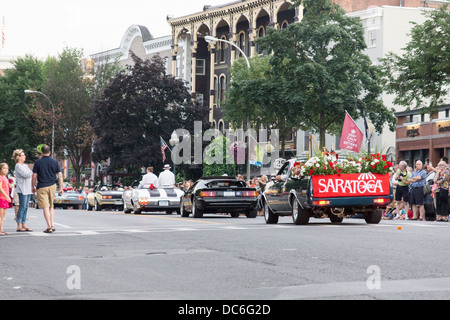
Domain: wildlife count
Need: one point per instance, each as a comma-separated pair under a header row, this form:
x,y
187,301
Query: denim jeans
x,y
24,201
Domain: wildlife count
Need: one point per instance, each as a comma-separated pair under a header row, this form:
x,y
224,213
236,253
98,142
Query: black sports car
x,y
219,195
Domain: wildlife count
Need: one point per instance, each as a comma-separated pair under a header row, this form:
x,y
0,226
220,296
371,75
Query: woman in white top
x,y
23,188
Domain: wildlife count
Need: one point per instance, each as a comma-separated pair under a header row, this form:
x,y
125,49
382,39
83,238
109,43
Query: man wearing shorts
x,y
418,180
402,191
45,171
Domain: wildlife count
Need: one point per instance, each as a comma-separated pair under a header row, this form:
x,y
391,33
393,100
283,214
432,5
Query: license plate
x,y
228,194
164,203
118,202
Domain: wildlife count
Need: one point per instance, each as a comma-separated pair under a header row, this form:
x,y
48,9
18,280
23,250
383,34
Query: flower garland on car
x,y
331,164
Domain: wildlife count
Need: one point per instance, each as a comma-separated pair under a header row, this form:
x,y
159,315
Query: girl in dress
x,y
5,192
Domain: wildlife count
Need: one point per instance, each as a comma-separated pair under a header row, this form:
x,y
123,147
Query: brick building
x,y
421,137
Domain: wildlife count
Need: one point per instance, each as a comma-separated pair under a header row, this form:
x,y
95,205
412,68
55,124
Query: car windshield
x,y
226,184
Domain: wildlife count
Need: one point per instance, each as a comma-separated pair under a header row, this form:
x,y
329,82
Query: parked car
x,y
105,197
219,195
69,199
152,199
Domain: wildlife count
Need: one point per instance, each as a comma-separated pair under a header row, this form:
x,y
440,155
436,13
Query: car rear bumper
x,y
226,204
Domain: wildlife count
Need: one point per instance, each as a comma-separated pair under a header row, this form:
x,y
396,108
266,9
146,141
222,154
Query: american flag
x,y
164,146
3,33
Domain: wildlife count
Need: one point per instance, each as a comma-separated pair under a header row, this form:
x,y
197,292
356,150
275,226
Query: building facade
x,y
205,65
421,137
137,39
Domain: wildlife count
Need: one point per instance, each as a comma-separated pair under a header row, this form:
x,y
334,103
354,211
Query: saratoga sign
x,y
350,185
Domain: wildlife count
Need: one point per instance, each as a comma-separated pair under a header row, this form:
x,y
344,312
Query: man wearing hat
x,y
167,178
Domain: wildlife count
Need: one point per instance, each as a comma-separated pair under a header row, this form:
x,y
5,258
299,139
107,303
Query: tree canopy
x,y
140,105
317,71
420,77
16,125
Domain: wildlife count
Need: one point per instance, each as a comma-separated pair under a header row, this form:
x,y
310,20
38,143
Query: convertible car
x,y
150,199
69,199
105,197
219,195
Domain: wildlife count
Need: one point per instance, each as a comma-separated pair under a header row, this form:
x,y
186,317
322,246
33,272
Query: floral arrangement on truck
x,y
330,164
362,176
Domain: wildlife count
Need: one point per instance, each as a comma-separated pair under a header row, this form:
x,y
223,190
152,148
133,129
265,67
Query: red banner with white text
x,y
350,185
351,136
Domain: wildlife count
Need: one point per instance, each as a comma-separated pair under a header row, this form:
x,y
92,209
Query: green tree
x,y
16,125
219,158
420,77
69,91
140,105
322,71
256,96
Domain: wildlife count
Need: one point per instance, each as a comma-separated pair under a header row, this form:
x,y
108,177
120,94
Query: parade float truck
x,y
327,187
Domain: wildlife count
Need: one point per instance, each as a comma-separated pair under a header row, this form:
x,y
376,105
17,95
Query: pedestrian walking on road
x,y
441,179
23,188
45,171
5,198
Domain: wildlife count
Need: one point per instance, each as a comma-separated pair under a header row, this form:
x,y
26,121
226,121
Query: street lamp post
x,y
174,141
214,39
53,117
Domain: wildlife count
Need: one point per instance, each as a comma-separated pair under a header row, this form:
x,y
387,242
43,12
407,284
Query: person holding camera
x,y
402,177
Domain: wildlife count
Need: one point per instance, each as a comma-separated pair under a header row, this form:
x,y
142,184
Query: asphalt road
x,y
110,255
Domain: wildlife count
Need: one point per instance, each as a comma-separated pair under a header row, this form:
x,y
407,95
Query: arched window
x,y
261,34
223,48
284,24
241,43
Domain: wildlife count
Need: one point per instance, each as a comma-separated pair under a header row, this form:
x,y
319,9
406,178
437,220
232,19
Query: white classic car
x,y
152,199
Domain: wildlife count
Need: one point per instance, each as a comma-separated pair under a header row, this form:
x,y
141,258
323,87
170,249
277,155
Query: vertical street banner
x,y
351,137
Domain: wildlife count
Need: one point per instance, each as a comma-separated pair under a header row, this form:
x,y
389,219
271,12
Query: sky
x,y
43,28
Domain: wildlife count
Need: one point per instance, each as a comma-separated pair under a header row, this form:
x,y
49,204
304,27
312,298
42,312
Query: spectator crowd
x,y
420,193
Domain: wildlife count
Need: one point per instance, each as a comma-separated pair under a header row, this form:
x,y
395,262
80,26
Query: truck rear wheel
x,y
299,215
374,216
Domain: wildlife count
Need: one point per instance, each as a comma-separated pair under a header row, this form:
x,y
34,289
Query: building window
x,y
372,39
222,88
261,34
337,143
241,43
200,69
284,25
306,141
216,89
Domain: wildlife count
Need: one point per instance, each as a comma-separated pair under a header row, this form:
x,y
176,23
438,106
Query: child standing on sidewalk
x,y
5,192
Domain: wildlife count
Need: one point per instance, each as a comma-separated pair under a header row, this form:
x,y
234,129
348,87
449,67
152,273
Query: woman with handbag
x,y
442,181
5,199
